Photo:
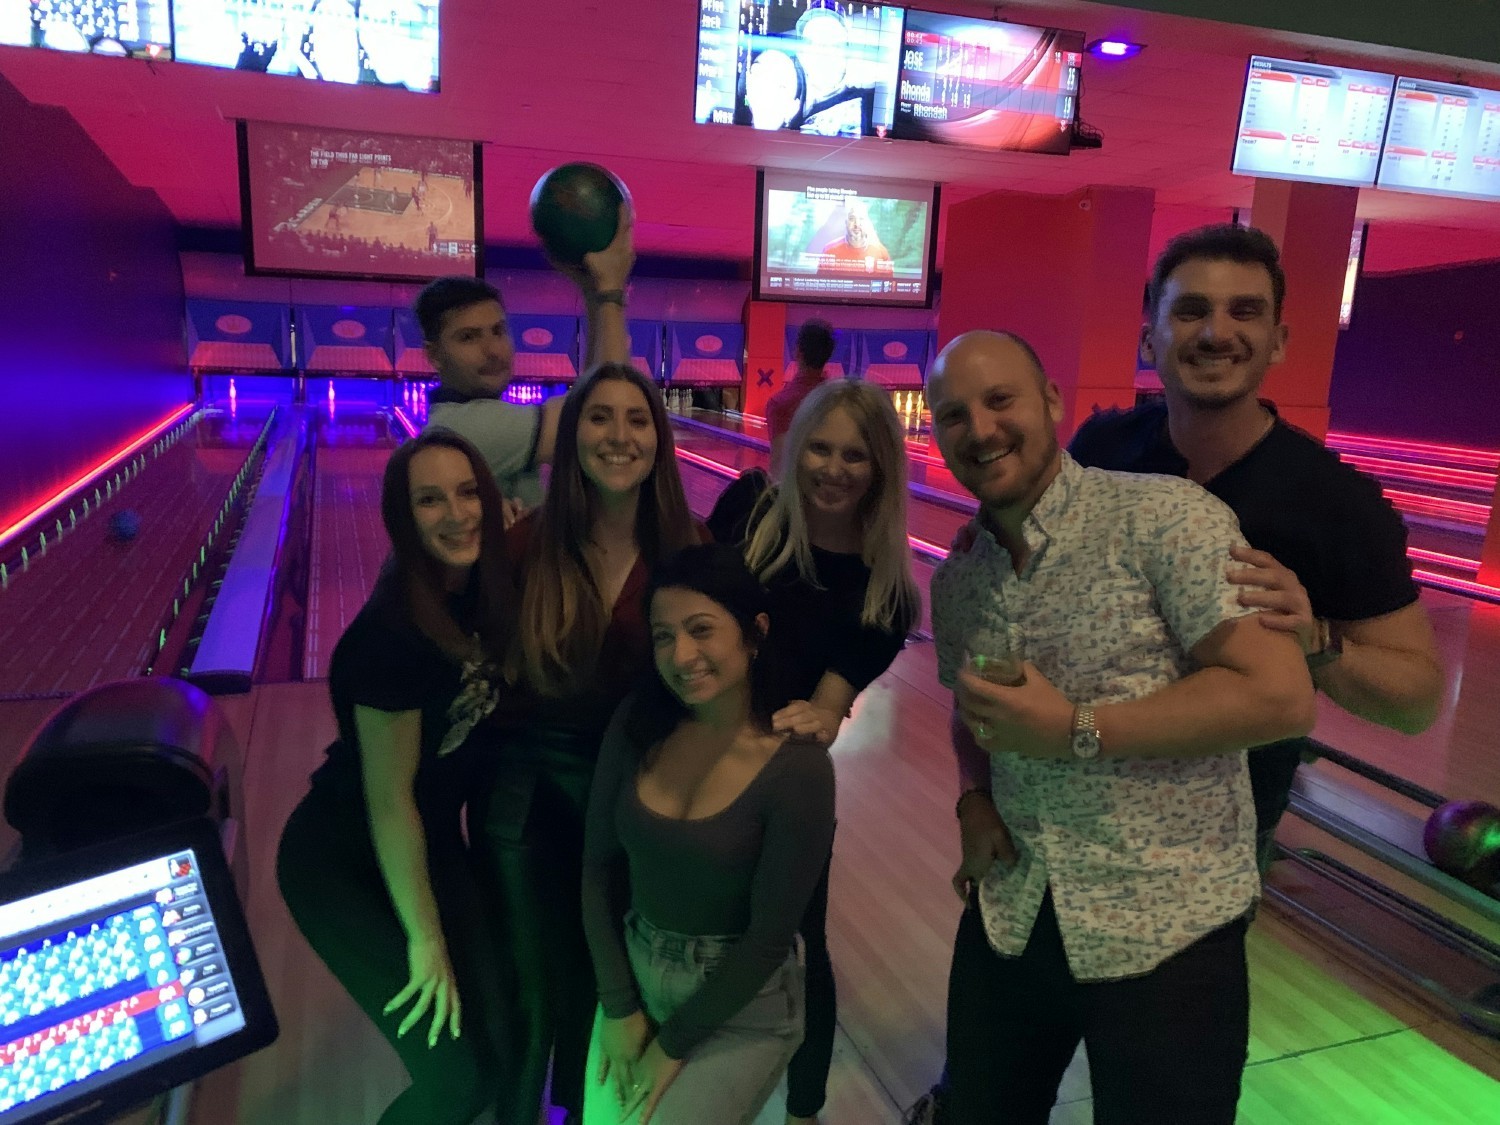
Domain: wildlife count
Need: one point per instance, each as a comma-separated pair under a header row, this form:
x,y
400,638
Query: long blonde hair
x,y
780,537
563,618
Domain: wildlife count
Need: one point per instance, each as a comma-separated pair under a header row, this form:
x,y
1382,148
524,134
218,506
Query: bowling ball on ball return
x,y
1463,839
575,210
125,525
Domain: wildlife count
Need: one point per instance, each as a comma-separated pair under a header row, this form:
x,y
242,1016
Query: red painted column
x,y
1312,224
765,346
1065,272
1489,554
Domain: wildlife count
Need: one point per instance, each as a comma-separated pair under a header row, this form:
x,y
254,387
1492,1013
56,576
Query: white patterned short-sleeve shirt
x,y
1143,855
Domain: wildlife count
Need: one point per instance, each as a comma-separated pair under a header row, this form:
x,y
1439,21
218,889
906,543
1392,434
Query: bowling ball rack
x,y
1393,836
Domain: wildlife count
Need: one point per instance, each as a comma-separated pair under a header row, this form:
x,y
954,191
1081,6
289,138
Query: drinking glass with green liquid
x,y
996,654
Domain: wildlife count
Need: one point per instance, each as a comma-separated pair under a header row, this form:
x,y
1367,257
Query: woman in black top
x,y
372,863
720,825
830,544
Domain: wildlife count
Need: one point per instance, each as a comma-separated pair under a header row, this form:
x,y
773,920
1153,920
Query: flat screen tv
x,y
329,202
811,66
986,84
128,28
125,970
369,42
1444,139
851,239
1310,121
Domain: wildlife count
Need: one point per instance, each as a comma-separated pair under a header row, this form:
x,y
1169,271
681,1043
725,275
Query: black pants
x,y
1166,1047
526,828
331,881
1273,768
807,1073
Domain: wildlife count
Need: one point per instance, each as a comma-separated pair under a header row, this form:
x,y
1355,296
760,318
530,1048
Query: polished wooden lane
x,y
1332,1039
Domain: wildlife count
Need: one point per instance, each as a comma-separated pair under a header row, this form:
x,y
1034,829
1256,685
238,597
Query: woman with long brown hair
x,y
372,862
614,507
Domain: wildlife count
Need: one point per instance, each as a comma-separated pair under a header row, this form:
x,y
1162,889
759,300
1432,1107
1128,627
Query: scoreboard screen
x,y
1313,122
1444,139
989,85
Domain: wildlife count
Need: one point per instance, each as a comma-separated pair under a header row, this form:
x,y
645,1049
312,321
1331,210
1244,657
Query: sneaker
x,y
924,1110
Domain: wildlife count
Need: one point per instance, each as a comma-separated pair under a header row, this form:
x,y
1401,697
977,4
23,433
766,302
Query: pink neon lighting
x,y
1462,454
1456,510
1440,559
129,449
1458,585
1432,474
406,423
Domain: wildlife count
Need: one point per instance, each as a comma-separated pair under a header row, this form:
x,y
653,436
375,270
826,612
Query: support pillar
x,y
1312,224
1065,272
765,347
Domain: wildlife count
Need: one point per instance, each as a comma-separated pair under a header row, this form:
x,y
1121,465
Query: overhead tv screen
x,y
1313,122
133,28
331,202
844,238
372,42
986,84
813,66
1443,140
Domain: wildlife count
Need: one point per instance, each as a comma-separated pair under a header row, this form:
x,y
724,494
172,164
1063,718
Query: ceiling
x,y
614,82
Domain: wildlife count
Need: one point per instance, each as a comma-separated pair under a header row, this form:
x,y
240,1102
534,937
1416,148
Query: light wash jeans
x,y
727,1078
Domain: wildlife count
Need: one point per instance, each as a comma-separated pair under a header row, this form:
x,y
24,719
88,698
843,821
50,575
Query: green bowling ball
x,y
1463,839
575,210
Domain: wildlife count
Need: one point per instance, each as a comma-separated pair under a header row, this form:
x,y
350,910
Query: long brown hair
x,y
419,576
562,615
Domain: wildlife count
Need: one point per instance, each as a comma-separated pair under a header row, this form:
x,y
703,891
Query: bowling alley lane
x,y
349,543
91,608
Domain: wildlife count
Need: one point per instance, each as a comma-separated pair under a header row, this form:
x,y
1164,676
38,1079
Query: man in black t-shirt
x,y
1329,552
1329,560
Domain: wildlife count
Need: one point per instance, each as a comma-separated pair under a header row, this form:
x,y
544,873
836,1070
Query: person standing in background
x,y
813,350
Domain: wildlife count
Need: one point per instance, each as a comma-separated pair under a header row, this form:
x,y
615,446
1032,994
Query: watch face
x,y
1086,744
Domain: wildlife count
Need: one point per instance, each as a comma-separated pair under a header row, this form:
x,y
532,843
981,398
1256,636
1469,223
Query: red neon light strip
x,y
1440,559
1486,458
406,423
1458,585
1412,471
129,449
1456,510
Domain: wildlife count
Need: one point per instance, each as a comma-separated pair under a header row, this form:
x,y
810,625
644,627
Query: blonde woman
x,y
830,544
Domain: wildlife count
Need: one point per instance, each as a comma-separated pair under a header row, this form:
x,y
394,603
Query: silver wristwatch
x,y
1085,734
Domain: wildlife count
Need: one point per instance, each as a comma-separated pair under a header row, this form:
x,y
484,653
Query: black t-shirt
x,y
817,626
1295,499
384,662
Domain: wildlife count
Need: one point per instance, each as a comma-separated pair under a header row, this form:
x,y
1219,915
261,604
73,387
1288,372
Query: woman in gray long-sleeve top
x,y
720,825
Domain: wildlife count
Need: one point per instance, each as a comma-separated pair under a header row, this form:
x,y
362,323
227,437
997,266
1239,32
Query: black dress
x,y
818,630
330,877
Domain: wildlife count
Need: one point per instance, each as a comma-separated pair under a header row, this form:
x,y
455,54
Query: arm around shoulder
x,y
1252,687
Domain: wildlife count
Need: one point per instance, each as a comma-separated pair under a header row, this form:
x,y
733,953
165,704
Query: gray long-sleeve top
x,y
748,871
